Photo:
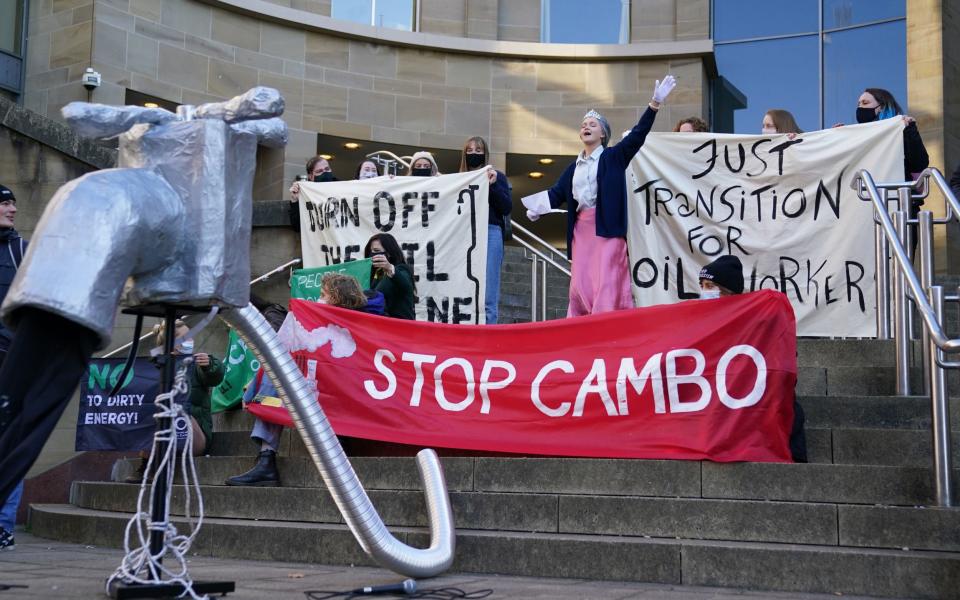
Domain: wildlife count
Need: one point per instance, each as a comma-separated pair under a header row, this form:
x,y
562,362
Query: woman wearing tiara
x,y
595,191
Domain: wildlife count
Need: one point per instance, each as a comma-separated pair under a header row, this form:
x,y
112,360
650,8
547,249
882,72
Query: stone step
x,y
688,518
787,482
858,411
892,447
753,565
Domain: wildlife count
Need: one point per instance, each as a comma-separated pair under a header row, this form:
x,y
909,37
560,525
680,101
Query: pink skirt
x,y
600,274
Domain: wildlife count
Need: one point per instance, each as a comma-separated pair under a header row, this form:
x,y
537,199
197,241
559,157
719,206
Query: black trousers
x,y
42,368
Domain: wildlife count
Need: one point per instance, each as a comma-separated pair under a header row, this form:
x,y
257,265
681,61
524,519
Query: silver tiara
x,y
592,114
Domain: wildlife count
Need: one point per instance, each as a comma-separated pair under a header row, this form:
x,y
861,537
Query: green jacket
x,y
397,291
202,382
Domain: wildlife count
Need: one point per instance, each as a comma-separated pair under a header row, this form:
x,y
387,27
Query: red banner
x,y
704,379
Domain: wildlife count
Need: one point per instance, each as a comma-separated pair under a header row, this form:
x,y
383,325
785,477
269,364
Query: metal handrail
x,y
542,242
894,237
864,179
149,335
545,255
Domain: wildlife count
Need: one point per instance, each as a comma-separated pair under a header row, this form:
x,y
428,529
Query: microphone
x,y
408,586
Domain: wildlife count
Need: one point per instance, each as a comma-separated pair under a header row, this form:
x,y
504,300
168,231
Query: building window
x,y
13,14
393,14
578,22
811,57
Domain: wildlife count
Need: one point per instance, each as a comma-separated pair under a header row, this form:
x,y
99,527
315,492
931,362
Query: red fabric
x,y
627,426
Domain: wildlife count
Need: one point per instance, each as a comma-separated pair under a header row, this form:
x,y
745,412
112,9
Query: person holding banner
x,y
367,170
476,156
422,164
691,125
318,170
877,104
777,120
594,189
391,276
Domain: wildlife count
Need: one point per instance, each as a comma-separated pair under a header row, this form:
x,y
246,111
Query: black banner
x,y
123,421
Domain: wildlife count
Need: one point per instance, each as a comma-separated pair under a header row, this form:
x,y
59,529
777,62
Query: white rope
x,y
139,565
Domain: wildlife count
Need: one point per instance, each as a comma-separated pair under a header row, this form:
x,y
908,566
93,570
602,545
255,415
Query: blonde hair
x,y
160,328
423,154
343,290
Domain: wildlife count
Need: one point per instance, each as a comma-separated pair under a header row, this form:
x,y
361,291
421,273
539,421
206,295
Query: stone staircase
x,y
856,520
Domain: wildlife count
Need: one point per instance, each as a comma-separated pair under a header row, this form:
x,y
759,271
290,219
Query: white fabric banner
x,y
784,207
439,222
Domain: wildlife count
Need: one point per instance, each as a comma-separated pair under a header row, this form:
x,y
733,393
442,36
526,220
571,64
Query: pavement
x,y
51,569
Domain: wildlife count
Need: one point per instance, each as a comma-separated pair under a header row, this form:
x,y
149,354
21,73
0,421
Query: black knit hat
x,y
726,271
6,194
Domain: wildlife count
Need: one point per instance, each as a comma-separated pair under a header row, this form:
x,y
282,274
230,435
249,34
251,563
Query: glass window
x,y
779,73
843,13
745,19
855,59
10,17
577,22
394,14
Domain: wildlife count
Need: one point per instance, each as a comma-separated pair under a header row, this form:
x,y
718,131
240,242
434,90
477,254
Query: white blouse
x,y
585,179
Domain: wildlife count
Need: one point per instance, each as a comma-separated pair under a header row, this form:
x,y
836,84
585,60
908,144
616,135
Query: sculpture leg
x,y
48,356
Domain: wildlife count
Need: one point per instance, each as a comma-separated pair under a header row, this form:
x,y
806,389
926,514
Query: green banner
x,y
306,282
240,366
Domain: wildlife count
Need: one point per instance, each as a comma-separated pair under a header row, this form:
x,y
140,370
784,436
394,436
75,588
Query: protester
x,y
724,277
780,121
318,170
205,373
876,104
337,289
391,275
264,434
691,125
594,189
476,155
367,170
10,259
422,164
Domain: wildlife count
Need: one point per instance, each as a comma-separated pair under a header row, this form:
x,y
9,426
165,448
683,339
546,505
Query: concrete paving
x,y
52,569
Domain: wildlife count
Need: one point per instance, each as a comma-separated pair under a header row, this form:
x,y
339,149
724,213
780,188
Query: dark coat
x,y
12,249
611,184
397,291
500,201
915,158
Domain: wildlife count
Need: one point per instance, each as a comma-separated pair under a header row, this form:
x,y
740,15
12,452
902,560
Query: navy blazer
x,y
611,184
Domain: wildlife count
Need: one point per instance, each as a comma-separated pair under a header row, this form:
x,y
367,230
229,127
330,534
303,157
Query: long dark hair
x,y
393,253
363,162
885,99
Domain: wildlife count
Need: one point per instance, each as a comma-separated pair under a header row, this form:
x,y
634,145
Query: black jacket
x,y
398,291
12,249
915,157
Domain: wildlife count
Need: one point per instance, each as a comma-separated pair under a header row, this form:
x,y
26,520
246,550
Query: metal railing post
x,y
901,315
533,288
907,237
882,254
543,291
942,459
925,246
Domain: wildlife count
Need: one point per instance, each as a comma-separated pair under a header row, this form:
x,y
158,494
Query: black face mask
x,y
475,161
426,172
325,176
866,115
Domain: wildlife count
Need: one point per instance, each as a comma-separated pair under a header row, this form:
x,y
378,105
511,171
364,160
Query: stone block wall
x,y
191,52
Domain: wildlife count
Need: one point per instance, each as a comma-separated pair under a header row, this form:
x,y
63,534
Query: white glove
x,y
663,88
533,216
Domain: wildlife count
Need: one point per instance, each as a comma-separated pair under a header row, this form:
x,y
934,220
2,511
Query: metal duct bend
x,y
338,474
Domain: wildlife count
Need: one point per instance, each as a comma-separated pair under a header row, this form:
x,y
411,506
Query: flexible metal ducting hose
x,y
336,470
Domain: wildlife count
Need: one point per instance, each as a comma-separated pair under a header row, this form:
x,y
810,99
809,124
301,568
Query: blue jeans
x,y
8,515
268,433
494,262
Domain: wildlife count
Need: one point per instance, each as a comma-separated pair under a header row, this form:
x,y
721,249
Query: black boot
x,y
263,474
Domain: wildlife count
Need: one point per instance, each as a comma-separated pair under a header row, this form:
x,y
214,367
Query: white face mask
x,y
769,131
706,294
368,174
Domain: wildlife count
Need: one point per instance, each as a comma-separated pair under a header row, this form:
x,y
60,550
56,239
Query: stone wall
x,y
191,52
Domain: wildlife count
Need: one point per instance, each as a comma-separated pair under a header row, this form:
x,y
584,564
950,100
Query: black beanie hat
x,y
726,271
6,194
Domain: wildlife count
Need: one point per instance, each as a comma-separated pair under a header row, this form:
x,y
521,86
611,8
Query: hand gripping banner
x,y
707,379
